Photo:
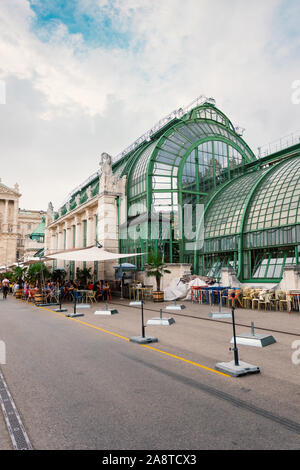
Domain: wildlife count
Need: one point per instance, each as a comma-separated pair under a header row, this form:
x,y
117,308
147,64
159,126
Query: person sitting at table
x,y
106,289
90,285
26,291
49,292
70,290
96,286
97,289
77,296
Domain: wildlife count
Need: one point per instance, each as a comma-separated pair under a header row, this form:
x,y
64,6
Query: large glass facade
x,y
251,207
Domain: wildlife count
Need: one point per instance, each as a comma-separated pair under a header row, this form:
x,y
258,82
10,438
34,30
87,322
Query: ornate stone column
x,y
60,263
5,217
68,228
78,230
110,187
15,217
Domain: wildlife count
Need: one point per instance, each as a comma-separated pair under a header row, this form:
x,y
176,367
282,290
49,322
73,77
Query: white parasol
x,y
93,253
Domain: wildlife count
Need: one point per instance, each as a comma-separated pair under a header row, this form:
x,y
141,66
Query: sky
x,y
82,77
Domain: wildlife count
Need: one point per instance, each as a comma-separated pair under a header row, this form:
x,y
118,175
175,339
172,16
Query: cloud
x,y
69,97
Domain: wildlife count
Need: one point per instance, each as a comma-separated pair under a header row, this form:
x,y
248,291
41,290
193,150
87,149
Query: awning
x,y
90,254
126,267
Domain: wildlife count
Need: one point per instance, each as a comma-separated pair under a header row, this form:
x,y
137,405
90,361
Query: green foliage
x,y
82,275
58,275
35,271
18,275
7,275
156,268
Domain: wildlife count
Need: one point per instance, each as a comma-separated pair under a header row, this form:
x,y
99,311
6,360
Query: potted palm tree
x,y
37,273
83,275
18,277
156,268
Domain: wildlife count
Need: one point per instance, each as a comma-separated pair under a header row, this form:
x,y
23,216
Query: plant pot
x,y
39,298
19,293
158,296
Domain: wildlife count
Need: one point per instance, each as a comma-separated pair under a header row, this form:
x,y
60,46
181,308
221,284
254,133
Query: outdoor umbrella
x,y
90,254
126,267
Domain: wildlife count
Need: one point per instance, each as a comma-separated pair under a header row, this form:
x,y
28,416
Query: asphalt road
x,y
77,387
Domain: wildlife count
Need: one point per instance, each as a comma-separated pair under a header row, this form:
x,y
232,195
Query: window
x,y
270,265
84,233
74,235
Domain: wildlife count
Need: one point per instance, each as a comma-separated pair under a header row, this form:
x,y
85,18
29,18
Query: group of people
x,y
65,290
69,289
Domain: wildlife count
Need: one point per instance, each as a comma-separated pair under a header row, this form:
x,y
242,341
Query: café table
x,y
84,293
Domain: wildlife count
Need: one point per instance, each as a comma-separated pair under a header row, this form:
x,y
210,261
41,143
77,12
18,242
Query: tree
x,y
82,275
156,268
36,272
59,275
18,275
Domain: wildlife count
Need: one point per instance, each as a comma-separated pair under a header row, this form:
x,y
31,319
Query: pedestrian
x,y
5,287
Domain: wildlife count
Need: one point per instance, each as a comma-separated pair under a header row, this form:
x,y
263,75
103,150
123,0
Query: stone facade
x,y
291,278
111,190
96,219
27,222
9,208
15,226
229,278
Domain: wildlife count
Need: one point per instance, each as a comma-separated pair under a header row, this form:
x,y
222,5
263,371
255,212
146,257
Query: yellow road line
x,y
86,324
185,360
144,345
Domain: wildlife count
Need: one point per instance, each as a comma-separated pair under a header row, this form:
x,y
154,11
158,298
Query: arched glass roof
x,y
163,156
211,113
225,213
173,146
137,177
276,201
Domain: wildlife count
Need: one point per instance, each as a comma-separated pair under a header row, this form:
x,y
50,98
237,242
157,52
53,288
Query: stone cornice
x,y
74,212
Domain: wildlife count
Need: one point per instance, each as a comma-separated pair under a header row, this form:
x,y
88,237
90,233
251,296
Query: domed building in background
x,y
193,190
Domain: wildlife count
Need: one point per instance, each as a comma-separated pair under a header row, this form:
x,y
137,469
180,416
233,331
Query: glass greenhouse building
x,y
249,215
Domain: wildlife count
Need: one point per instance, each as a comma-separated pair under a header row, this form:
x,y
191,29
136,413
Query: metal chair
x,y
91,296
77,296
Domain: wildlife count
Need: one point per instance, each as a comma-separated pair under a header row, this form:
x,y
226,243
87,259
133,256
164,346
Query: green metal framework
x,y
255,220
251,216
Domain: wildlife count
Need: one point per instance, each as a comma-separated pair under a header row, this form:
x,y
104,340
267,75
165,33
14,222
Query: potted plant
x,y
83,275
37,273
157,269
18,277
59,275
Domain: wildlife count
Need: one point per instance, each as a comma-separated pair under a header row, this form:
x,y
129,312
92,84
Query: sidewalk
x,y
205,340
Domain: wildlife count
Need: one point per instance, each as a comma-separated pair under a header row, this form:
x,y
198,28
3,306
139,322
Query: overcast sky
x,y
84,77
